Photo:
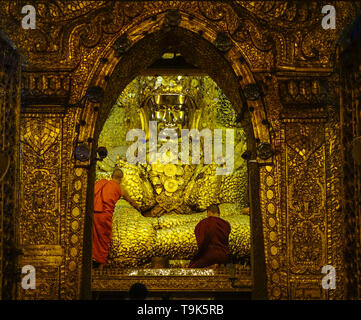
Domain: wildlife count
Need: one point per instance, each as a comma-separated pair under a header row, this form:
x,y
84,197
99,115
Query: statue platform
x,y
173,280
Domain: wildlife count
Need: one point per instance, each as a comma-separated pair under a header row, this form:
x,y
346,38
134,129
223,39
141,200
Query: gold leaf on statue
x,y
170,170
171,185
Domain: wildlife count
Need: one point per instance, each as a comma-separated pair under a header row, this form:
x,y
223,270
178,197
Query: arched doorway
x,y
115,73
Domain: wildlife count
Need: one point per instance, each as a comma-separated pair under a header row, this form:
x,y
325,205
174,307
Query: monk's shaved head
x,y
213,210
117,174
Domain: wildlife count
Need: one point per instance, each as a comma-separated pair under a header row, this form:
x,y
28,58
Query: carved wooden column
x,y
310,190
9,160
43,191
350,114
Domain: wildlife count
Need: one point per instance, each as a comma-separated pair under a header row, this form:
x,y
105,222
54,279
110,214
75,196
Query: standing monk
x,y
212,235
106,195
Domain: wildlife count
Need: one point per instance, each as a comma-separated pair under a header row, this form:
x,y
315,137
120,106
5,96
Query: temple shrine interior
x,y
155,229
249,106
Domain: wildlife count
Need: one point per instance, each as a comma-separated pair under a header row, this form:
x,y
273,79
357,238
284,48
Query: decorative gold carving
x,y
305,176
40,214
273,231
45,92
43,255
312,194
304,93
267,36
304,288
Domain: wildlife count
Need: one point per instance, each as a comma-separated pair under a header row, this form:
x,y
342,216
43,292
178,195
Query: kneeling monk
x,y
212,235
106,195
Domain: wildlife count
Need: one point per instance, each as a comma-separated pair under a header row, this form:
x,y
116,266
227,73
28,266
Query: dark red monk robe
x,y
212,239
106,195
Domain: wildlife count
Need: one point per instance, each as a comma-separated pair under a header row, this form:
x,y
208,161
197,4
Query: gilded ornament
x,y
223,42
121,45
265,150
171,185
180,171
157,167
290,28
155,180
170,170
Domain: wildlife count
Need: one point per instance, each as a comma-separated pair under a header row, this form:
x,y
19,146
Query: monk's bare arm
x,y
126,196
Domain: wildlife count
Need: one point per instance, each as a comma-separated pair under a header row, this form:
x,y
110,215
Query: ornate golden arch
x,y
129,54
237,67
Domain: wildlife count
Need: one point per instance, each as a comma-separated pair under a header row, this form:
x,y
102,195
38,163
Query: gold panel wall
x,y
41,214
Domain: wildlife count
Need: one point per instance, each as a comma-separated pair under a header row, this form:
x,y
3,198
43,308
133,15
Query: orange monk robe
x,y
212,235
106,195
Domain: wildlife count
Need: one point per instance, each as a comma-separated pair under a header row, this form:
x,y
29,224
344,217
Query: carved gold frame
x,y
120,75
278,59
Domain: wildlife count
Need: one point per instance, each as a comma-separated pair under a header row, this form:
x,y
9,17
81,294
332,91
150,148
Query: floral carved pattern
x,y
40,187
306,244
306,197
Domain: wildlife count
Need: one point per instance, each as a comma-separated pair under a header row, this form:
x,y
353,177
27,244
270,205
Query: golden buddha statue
x,y
169,197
